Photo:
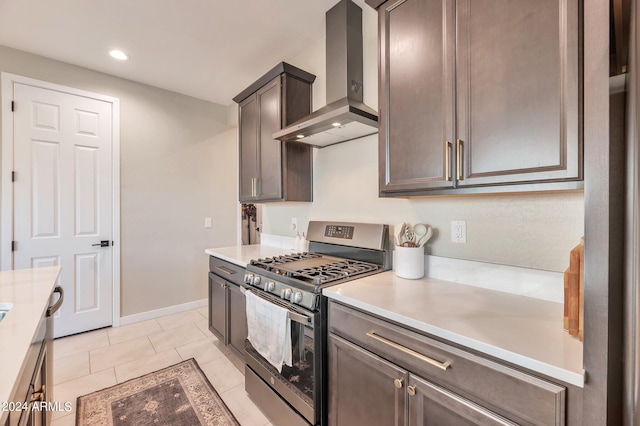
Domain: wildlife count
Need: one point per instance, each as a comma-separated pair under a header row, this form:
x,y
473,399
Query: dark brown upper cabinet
x,y
271,170
479,96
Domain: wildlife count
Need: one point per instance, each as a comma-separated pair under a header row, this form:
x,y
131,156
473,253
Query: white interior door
x,y
63,199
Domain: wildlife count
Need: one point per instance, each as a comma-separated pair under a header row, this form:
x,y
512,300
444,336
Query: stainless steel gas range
x,y
338,252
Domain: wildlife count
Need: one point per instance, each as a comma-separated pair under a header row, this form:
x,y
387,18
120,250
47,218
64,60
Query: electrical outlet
x,y
207,222
294,223
459,231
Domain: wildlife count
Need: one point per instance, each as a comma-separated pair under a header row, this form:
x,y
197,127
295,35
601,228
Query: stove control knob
x,y
297,297
270,286
248,277
256,280
286,293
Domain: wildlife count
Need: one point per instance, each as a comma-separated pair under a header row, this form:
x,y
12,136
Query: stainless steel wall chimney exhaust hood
x,y
345,117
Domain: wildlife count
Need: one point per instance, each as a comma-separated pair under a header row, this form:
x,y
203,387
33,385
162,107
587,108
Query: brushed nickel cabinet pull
x,y
441,365
225,270
411,390
253,187
397,383
459,147
447,160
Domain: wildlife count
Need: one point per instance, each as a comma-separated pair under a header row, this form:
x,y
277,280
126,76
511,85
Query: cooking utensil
x,y
409,235
419,230
400,238
423,234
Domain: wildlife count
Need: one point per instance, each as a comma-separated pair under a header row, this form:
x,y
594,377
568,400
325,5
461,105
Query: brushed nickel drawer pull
x,y
441,365
225,270
447,160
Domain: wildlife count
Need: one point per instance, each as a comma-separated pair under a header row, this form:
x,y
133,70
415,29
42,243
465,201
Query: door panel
x,y
86,183
237,318
248,147
87,289
433,405
63,199
270,185
45,169
218,307
517,95
417,39
362,388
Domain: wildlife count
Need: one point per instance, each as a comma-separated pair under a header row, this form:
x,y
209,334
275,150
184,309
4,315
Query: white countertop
x,y
241,255
520,330
29,291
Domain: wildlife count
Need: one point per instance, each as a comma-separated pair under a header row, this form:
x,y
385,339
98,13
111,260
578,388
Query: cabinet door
x,y
517,91
218,307
237,319
363,388
430,404
416,94
248,140
270,153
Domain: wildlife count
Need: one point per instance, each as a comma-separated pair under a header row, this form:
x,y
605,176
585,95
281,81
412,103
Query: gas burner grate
x,y
271,262
329,270
334,271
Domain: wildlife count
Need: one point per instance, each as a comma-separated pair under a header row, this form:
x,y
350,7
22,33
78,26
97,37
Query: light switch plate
x,y
207,222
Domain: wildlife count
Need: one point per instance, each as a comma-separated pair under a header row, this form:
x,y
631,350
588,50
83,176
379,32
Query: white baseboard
x,y
143,316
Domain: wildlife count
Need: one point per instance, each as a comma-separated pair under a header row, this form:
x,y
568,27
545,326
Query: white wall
x,y
178,166
531,230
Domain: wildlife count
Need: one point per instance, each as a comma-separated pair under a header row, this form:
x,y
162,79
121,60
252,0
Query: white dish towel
x,y
269,330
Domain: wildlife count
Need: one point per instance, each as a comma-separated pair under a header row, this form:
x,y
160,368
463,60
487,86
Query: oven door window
x,y
299,378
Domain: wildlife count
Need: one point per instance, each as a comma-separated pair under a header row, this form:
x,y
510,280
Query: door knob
x,y
103,243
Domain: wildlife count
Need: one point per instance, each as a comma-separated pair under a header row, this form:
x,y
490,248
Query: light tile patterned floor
x,y
98,359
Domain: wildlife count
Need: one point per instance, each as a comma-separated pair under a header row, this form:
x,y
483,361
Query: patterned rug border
x,y
191,361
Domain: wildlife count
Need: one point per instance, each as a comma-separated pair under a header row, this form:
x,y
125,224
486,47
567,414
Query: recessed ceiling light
x,y
336,124
119,55
299,136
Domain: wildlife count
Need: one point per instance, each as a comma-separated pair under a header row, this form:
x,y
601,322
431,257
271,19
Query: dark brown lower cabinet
x,y
227,318
218,306
237,318
363,388
380,373
366,389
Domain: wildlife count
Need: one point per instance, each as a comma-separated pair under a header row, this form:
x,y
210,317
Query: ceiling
x,y
209,49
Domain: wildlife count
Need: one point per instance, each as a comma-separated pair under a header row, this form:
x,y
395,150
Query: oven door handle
x,y
299,318
293,316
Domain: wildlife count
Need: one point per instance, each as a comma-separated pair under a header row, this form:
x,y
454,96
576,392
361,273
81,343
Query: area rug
x,y
177,395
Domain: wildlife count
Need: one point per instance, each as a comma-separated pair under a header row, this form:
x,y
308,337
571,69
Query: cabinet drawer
x,y
226,270
518,396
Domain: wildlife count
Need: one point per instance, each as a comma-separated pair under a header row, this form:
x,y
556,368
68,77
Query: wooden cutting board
x,y
574,292
581,314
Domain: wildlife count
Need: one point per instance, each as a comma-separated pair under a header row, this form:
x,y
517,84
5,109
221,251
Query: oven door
x,y
300,385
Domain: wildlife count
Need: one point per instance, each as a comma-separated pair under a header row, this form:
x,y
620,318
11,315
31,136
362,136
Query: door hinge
x,y
13,176
13,246
13,106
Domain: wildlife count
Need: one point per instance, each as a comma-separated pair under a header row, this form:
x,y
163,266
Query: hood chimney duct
x,y
345,117
344,52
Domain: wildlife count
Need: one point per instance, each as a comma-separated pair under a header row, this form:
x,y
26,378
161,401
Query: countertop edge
x,y
564,375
